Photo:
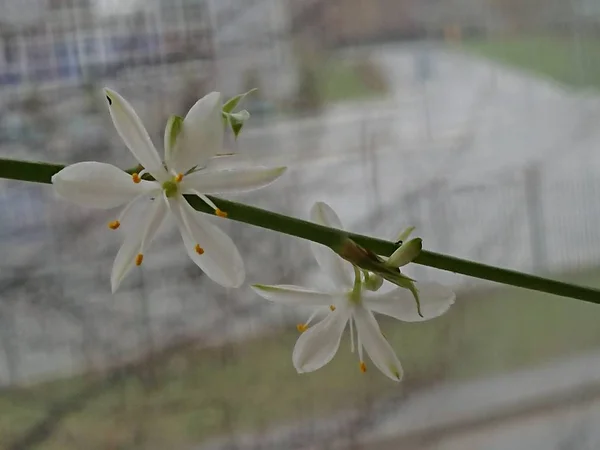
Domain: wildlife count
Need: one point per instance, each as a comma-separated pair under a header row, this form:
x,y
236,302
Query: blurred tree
x,y
372,74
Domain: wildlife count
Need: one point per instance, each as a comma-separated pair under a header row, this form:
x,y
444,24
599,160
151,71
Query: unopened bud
x,y
373,282
406,253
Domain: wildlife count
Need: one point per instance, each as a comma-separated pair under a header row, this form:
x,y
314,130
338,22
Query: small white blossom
x,y
352,302
189,145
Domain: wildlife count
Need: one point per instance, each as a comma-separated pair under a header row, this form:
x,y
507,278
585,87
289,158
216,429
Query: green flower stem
x,y
42,173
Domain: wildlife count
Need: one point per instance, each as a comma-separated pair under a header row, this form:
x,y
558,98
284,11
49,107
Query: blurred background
x,y
474,120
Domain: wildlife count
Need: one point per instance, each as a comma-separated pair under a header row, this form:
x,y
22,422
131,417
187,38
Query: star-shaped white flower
x,y
189,144
351,302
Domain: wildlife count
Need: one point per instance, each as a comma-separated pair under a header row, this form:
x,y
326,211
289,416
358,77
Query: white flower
x,y
352,302
189,143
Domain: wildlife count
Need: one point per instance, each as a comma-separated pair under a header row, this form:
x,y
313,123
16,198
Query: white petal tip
x,y
265,291
109,94
277,172
259,286
214,95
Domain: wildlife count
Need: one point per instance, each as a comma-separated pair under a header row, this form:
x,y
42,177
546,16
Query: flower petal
x,y
296,295
134,134
323,214
137,240
98,185
201,136
378,348
336,268
220,259
319,344
227,181
399,303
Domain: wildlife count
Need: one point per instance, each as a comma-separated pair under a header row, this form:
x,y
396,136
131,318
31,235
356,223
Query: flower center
x,y
171,187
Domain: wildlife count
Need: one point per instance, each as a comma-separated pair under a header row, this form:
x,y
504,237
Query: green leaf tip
x,y
233,102
237,120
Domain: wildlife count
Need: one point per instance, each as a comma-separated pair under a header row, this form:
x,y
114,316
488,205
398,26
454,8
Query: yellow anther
x,y
136,178
199,249
114,224
363,367
220,213
332,307
302,327
138,259
179,177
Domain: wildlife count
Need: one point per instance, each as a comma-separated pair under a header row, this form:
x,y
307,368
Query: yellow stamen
x,y
179,177
138,259
220,213
363,367
136,178
199,249
332,307
301,327
114,224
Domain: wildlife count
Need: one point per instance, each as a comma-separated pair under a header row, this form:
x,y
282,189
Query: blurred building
x,y
340,22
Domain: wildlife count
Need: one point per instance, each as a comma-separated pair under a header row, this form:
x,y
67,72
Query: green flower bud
x,y
406,253
373,282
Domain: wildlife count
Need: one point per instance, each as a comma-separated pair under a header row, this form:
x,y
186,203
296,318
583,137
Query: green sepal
x,y
367,260
232,103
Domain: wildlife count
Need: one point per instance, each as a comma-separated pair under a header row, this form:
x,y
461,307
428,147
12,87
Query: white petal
x,y
399,303
378,348
337,269
201,136
137,240
323,214
98,185
221,260
319,344
227,181
296,295
134,134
